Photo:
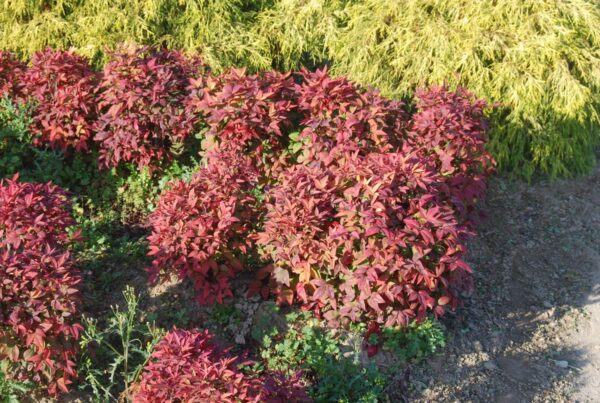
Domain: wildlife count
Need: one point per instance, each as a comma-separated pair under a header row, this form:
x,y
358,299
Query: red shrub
x,y
33,216
367,206
450,127
338,113
187,367
62,85
141,99
367,239
247,113
201,229
11,75
38,285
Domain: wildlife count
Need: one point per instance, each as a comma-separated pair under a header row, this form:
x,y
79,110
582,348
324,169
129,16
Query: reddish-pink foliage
x,y
201,229
450,127
11,76
187,367
279,388
247,113
368,206
33,216
364,239
39,294
62,85
141,100
337,113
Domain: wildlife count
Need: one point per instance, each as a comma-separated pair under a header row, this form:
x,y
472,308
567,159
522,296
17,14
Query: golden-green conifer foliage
x,y
295,32
540,59
218,29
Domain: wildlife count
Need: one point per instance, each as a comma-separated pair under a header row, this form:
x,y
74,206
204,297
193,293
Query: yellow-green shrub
x,y
539,58
216,28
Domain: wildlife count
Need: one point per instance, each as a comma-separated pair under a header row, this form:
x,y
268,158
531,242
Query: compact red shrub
x,y
62,85
367,205
201,229
33,216
248,113
39,298
187,367
364,240
141,99
38,285
337,112
450,127
11,74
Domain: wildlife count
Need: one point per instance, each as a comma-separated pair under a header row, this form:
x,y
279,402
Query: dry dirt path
x,y
586,338
531,331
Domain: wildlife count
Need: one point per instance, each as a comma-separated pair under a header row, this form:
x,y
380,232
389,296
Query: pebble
x,y
547,304
489,365
561,364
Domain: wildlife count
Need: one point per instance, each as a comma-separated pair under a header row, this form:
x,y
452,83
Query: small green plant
x,y
347,381
137,190
414,342
263,328
11,390
14,136
224,314
304,345
107,245
179,317
336,377
115,354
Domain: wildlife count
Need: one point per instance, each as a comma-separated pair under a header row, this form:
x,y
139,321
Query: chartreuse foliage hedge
x,y
539,59
216,28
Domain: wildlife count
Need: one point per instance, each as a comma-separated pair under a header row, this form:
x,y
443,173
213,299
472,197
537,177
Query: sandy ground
x,y
531,331
587,340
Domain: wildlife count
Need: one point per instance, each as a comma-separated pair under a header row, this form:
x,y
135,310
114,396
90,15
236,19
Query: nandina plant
x,y
33,216
247,113
39,300
450,126
62,86
11,76
141,100
39,294
367,205
187,366
335,111
278,387
365,240
201,228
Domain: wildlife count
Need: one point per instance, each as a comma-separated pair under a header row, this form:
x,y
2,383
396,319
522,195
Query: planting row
x,y
536,60
338,200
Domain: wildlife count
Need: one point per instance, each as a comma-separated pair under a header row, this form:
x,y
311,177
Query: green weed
x,y
116,351
10,390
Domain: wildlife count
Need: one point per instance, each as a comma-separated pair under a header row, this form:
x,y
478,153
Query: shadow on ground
x,y
531,330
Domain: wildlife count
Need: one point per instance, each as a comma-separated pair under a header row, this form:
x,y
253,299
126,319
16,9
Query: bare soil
x,y
531,330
